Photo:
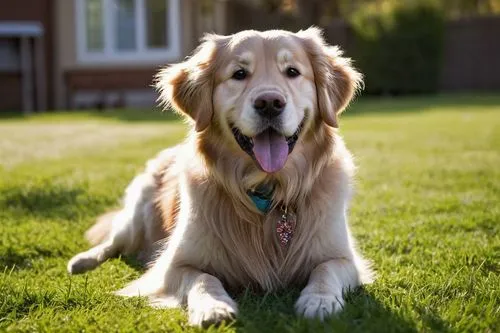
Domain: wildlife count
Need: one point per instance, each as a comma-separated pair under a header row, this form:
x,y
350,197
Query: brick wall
x,y
27,10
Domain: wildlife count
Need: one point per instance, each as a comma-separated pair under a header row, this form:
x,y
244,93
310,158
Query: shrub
x,y
399,50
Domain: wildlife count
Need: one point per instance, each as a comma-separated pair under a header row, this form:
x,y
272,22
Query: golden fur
x,y
195,195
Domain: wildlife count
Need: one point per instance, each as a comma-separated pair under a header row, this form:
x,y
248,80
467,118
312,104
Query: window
x,y
128,30
10,55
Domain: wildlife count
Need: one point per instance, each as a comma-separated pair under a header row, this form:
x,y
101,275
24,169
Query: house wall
x,y
66,35
70,83
27,10
11,92
82,84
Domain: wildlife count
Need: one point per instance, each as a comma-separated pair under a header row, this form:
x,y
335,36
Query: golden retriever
x,y
257,195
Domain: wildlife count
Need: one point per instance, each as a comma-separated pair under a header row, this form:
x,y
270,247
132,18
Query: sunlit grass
x,y
426,211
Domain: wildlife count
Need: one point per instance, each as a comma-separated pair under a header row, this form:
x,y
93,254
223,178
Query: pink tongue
x,y
271,150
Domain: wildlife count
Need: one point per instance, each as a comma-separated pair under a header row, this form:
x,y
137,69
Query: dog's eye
x,y
292,72
240,74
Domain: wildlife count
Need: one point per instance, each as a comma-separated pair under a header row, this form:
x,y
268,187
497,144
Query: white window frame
x,y
142,54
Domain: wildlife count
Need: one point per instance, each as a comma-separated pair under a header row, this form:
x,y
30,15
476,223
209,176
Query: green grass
x,y
426,211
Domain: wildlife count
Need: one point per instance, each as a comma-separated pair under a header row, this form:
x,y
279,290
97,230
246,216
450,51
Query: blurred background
x,y
99,54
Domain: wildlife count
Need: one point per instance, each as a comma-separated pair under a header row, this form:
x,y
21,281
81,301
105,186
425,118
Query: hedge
x,y
400,50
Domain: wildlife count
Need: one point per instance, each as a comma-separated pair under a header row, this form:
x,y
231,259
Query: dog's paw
x,y
208,310
320,306
81,263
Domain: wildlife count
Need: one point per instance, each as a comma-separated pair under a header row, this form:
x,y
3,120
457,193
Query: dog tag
x,y
285,227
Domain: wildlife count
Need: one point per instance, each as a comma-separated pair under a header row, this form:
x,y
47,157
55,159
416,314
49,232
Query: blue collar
x,y
261,203
262,197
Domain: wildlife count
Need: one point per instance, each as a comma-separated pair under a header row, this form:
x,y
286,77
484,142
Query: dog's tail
x,y
100,231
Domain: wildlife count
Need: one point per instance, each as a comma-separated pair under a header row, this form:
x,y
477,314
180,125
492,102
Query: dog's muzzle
x,y
269,148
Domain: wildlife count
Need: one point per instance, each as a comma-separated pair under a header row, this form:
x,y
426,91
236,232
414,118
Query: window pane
x,y
9,54
156,23
125,25
94,26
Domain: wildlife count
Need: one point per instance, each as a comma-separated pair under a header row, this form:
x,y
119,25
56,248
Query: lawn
x,y
426,212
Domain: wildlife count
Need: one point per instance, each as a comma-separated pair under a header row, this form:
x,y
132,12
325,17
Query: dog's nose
x,y
269,104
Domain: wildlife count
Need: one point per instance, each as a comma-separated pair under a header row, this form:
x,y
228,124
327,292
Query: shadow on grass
x,y
432,321
134,262
21,258
12,260
362,313
51,201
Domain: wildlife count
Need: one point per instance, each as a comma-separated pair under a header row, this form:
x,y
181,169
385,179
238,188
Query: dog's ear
x,y
188,86
335,78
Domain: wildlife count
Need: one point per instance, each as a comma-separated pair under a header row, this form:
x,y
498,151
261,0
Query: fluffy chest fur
x,y
232,240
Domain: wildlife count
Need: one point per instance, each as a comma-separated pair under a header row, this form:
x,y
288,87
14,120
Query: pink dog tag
x,y
285,227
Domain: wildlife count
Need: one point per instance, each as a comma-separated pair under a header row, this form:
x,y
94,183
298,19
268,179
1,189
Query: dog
x,y
257,195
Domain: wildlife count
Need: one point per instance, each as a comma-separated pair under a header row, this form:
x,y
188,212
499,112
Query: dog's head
x,y
261,90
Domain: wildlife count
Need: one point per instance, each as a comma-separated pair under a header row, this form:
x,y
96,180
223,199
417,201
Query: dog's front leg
x,y
206,299
208,302
322,296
